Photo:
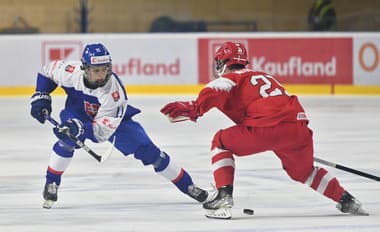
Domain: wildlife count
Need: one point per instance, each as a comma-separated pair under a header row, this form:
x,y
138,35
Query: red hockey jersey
x,y
250,98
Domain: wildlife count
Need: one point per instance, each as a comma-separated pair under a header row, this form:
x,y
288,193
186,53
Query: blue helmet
x,y
96,57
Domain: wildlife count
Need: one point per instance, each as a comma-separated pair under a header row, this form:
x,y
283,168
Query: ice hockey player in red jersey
x,y
267,119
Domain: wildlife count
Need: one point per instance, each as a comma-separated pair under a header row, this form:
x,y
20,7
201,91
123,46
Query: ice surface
x,y
123,195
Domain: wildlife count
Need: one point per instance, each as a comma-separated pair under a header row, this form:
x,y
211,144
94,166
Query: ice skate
x,y
349,204
197,193
220,204
50,195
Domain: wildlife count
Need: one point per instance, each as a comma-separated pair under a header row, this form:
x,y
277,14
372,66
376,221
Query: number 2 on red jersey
x,y
268,85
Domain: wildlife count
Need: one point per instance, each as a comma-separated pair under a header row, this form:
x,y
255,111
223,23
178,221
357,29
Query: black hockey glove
x,y
41,105
72,126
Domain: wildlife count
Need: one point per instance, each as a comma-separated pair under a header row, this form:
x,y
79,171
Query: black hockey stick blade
x,y
347,169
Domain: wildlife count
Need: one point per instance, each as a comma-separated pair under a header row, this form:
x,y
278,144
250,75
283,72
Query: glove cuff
x,y
196,113
80,127
40,96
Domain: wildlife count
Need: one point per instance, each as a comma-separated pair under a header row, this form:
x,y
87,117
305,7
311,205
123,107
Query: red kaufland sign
x,y
290,60
61,50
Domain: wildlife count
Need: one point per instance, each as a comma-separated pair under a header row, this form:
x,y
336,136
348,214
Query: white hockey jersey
x,y
102,108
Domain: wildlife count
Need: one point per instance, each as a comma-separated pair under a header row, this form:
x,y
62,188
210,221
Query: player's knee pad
x,y
216,141
301,174
63,149
148,154
316,174
162,162
165,167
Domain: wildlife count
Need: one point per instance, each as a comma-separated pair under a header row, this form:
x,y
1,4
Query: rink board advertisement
x,y
290,60
367,60
185,60
137,60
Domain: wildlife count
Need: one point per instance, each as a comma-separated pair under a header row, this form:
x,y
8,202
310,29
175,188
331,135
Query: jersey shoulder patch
x,y
115,96
70,68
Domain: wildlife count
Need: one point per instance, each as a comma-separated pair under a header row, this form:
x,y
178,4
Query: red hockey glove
x,y
180,111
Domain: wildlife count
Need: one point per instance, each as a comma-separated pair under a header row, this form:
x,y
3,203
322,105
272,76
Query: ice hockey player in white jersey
x,y
97,108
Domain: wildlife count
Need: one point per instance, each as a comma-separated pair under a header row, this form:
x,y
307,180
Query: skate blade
x,y
48,204
360,212
222,213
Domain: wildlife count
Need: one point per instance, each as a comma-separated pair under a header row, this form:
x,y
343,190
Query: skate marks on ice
x,y
123,195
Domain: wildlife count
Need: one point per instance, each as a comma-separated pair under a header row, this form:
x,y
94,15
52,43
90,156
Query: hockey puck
x,y
248,211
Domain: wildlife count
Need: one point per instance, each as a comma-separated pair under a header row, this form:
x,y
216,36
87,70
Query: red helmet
x,y
229,54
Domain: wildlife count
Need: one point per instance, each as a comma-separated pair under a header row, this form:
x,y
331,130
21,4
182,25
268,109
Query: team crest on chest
x,y
91,109
116,96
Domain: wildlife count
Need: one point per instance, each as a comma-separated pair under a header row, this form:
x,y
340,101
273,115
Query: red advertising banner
x,y
290,60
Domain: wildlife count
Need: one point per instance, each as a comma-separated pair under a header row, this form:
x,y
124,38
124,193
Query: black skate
x,y
197,193
219,206
349,204
50,195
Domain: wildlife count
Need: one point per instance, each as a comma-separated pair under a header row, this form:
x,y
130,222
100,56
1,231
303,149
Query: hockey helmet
x,y
230,54
97,65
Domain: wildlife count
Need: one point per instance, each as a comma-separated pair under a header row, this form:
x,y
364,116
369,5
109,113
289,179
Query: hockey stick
x,y
100,158
347,169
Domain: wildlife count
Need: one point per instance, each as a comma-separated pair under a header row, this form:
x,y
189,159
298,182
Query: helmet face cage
x,y
230,54
96,58
219,67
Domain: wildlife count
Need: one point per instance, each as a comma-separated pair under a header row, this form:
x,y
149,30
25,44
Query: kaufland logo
x,y
61,50
296,66
100,59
